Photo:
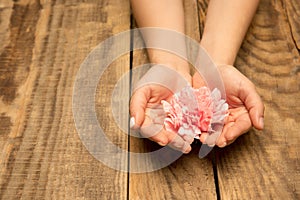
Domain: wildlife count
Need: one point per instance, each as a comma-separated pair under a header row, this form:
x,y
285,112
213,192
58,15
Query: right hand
x,y
146,111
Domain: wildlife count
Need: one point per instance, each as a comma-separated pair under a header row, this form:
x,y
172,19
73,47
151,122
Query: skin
x,y
225,27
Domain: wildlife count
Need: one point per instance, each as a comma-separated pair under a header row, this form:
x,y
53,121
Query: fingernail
x,y
162,143
223,145
187,150
132,122
261,122
188,139
204,138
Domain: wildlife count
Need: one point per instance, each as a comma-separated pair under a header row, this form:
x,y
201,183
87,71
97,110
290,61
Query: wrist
x,y
170,60
220,52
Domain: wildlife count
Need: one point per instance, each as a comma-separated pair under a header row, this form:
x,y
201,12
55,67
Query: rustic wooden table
x,y
43,43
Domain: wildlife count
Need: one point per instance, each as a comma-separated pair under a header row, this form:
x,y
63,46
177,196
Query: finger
x,y
203,137
254,106
154,132
209,139
164,138
198,81
233,130
160,138
222,142
188,138
138,105
178,143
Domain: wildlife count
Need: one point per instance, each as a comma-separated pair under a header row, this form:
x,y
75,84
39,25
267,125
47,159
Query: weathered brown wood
x,y
202,9
188,177
265,164
191,19
42,47
292,9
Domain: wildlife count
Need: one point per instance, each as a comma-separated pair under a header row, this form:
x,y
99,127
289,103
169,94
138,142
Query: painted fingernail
x,y
132,122
261,122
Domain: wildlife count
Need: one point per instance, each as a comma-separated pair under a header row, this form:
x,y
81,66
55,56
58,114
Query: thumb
x,y
254,105
138,105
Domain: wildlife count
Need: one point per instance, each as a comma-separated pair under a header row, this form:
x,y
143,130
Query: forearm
x,y
166,14
226,24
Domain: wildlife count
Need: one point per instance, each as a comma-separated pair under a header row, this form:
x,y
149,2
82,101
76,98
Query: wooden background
x,y
43,43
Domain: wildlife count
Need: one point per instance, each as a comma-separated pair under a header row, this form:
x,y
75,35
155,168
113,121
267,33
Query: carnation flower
x,y
193,111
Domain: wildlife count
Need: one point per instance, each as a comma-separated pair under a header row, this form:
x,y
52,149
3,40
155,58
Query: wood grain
x,y
202,10
44,44
188,177
292,10
265,164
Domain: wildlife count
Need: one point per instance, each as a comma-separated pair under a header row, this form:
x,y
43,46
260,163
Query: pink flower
x,y
192,111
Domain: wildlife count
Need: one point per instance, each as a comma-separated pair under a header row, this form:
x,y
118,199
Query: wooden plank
x,y
191,19
265,164
202,10
41,153
188,177
5,14
292,9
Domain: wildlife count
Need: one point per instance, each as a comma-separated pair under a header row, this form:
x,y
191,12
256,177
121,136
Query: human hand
x,y
146,111
245,105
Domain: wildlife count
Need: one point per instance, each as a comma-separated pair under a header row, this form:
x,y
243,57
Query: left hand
x,y
245,105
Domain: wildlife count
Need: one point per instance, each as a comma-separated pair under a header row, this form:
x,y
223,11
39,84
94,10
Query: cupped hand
x,y
147,114
245,105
